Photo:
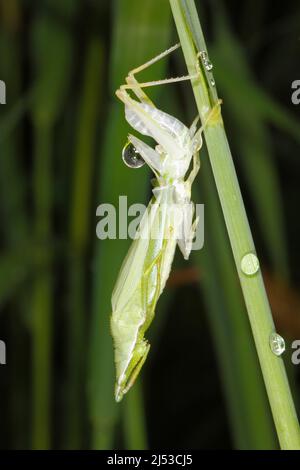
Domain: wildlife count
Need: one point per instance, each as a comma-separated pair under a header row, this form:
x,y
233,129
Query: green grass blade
x,y
258,308
248,407
52,56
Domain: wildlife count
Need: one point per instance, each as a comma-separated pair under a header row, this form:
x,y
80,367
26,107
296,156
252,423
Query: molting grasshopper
x,y
147,266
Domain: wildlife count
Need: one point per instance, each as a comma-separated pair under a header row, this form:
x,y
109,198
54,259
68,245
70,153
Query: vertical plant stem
x,y
15,217
238,230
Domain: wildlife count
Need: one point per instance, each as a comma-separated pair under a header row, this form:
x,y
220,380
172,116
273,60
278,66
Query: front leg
x,y
197,141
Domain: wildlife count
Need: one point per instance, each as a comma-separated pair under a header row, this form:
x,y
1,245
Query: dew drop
x,y
131,156
206,62
208,65
277,344
250,264
212,81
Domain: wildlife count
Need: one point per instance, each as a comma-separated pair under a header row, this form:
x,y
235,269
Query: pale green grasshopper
x,y
147,265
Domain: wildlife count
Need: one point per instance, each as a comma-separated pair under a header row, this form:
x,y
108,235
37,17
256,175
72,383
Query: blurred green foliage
x,y
61,135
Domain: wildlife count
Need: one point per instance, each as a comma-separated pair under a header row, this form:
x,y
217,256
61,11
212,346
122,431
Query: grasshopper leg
x,y
136,87
142,347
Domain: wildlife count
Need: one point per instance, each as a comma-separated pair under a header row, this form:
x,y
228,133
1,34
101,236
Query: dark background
x,y
61,135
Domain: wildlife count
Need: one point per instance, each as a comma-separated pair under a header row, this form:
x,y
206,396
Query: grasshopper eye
x,y
131,157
